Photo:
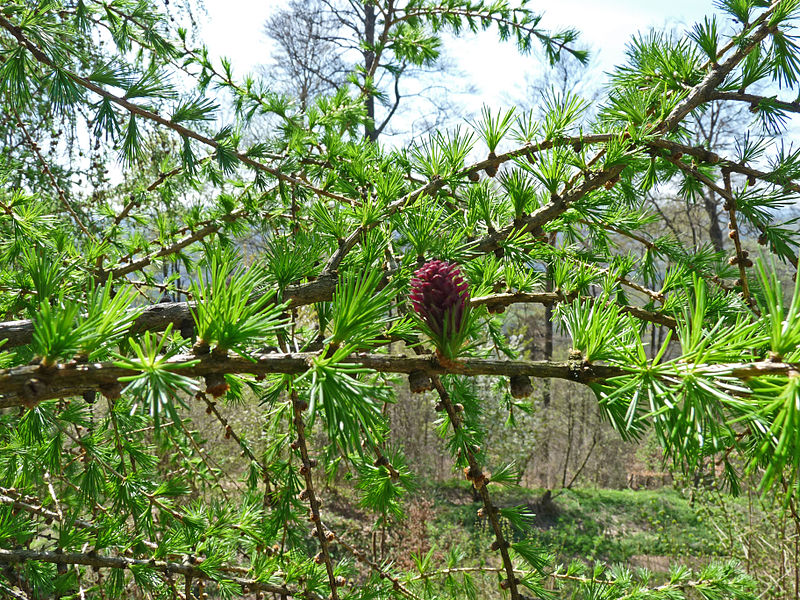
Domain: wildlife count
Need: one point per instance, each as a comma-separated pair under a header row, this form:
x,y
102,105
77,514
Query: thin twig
x,y
479,481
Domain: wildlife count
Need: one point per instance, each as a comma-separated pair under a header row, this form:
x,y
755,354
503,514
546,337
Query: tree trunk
x,y
548,341
714,230
369,57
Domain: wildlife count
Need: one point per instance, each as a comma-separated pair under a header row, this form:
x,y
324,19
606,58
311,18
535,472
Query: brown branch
x,y
652,294
628,234
158,316
133,201
753,100
530,222
32,383
120,562
549,298
198,235
707,156
14,593
652,246
703,91
211,408
9,498
29,384
557,206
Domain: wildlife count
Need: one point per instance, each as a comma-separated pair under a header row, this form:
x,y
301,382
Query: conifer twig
x,y
211,408
480,480
298,406
46,168
137,110
727,194
741,256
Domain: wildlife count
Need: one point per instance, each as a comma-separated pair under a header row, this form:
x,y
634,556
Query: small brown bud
x,y
439,407
318,558
228,432
732,233
751,179
520,386
304,495
496,309
294,445
419,381
491,170
201,347
312,462
473,473
733,260
32,390
473,176
187,329
216,385
458,407
330,536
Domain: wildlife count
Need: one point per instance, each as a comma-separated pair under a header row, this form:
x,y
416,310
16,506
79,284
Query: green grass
x,y
590,524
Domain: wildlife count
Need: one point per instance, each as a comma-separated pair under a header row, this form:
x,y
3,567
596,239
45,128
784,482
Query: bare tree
x,y
391,51
307,62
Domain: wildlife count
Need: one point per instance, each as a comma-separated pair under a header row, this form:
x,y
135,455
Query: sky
x,y
233,28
